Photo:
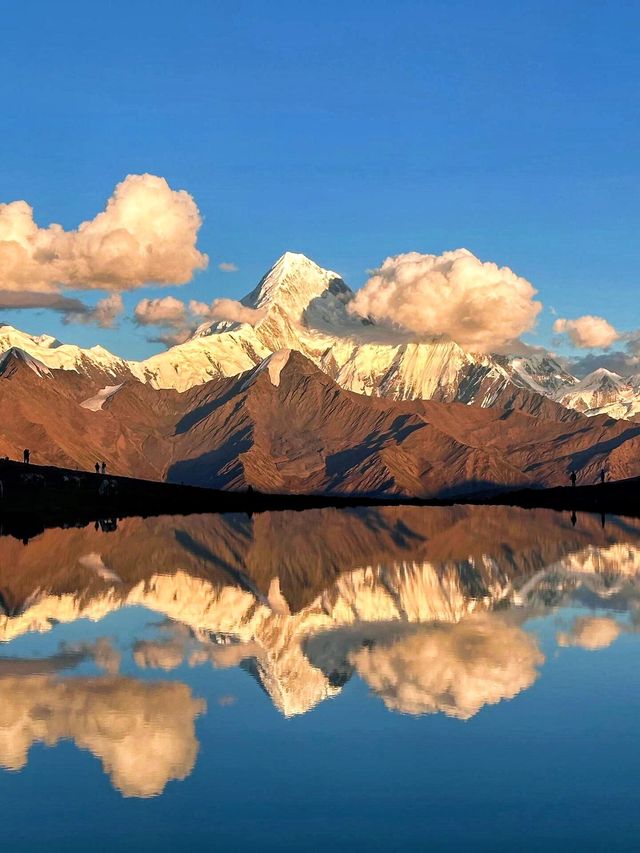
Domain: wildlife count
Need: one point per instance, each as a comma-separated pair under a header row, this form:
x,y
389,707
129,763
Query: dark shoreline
x,y
34,497
621,497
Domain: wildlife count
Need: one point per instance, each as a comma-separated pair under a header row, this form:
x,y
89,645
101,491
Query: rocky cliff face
x,y
285,426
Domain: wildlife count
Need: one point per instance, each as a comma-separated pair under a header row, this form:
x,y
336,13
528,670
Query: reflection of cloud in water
x,y
142,732
153,654
225,656
68,657
591,632
452,668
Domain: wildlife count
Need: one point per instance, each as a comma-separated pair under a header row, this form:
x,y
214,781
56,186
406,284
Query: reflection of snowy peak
x,y
302,636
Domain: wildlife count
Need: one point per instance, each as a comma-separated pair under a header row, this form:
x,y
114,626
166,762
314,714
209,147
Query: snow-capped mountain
x,y
13,355
48,351
286,427
300,306
603,392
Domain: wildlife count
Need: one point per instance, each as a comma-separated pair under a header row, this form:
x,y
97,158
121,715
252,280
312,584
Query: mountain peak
x,y
291,284
600,376
10,336
15,355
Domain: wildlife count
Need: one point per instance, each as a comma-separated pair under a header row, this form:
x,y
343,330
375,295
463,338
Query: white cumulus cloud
x,y
587,332
227,309
146,233
478,304
162,311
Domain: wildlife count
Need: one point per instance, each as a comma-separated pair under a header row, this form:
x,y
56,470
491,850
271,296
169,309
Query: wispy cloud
x,y
163,311
227,266
104,314
179,319
227,309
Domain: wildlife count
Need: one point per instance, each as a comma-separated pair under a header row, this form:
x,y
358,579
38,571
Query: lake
x,y
390,678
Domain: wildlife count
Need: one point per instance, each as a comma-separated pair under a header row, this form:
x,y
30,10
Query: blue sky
x,y
347,131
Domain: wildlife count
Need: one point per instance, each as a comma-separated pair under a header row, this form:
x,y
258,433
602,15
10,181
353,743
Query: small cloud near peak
x,y
587,332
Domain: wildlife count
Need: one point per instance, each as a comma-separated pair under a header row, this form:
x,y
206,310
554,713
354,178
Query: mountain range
x,y
309,398
300,306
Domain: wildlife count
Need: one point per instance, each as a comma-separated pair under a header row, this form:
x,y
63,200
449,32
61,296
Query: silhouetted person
x,y
572,477
603,475
26,456
574,517
104,467
97,467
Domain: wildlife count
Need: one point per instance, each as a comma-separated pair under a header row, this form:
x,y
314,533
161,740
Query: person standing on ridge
x,y
603,475
25,456
572,477
97,467
104,467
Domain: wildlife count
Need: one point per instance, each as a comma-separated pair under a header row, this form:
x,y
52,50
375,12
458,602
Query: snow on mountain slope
x,y
55,355
541,373
203,358
95,403
304,308
601,392
300,306
14,354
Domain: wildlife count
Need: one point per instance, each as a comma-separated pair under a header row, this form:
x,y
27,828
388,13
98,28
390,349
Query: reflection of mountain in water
x,y
424,604
278,590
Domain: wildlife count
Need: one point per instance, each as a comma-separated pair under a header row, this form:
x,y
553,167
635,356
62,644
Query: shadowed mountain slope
x,y
286,427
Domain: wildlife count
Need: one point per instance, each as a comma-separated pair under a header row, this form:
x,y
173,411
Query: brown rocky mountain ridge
x,y
295,430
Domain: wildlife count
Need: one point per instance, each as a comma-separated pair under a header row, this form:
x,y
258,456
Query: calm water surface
x,y
374,679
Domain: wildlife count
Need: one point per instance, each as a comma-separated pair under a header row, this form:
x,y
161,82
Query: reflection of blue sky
x,y
350,769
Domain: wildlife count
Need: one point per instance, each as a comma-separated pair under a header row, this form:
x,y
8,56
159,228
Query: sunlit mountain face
x,y
145,657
